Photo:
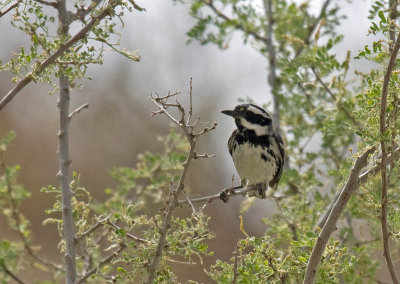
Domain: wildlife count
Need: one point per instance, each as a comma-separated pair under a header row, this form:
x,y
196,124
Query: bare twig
x,y
384,176
11,274
184,123
223,195
330,225
52,58
190,202
190,102
10,8
48,3
103,262
78,110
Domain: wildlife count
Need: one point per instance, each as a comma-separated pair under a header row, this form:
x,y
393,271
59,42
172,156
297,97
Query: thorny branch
x,y
330,225
384,175
192,136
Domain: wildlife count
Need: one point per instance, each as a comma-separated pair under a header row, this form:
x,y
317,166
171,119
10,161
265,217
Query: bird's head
x,y
249,117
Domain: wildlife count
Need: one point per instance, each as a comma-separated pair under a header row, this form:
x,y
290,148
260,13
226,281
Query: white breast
x,y
251,166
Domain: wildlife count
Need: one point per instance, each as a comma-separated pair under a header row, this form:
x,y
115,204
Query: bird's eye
x,y
241,109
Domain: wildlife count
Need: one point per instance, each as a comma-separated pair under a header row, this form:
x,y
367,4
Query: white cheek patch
x,y
258,129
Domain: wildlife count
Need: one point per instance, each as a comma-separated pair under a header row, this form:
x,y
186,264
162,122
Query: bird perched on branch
x,y
256,149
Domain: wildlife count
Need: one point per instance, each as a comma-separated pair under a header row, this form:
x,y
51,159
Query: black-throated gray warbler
x,y
256,149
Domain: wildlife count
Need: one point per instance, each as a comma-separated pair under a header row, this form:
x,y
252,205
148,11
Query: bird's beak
x,y
229,112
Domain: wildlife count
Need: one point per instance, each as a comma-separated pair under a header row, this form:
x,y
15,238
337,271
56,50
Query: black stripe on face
x,y
255,118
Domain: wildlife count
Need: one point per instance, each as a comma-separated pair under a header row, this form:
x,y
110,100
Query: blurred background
x,y
118,124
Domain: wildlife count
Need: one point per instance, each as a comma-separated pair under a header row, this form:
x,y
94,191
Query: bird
x,y
257,150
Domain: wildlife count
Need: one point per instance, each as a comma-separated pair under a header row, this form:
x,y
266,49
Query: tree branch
x,y
333,97
10,8
78,110
224,195
272,77
63,174
11,274
52,58
362,179
384,176
311,28
239,26
103,262
330,226
17,219
47,3
235,264
191,136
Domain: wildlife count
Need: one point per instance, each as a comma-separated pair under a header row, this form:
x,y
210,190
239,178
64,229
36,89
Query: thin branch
x,y
52,58
17,219
312,28
362,179
132,237
333,97
224,195
289,223
272,76
184,124
82,12
98,224
11,274
10,8
103,262
190,202
78,110
384,176
48,3
190,102
330,225
239,26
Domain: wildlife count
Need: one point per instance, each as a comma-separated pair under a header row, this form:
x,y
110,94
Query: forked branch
x,y
189,129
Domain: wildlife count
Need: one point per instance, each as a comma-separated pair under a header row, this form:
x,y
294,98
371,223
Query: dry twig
x,y
183,121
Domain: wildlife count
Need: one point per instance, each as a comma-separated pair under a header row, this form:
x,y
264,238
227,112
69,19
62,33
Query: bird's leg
x,y
259,190
224,195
